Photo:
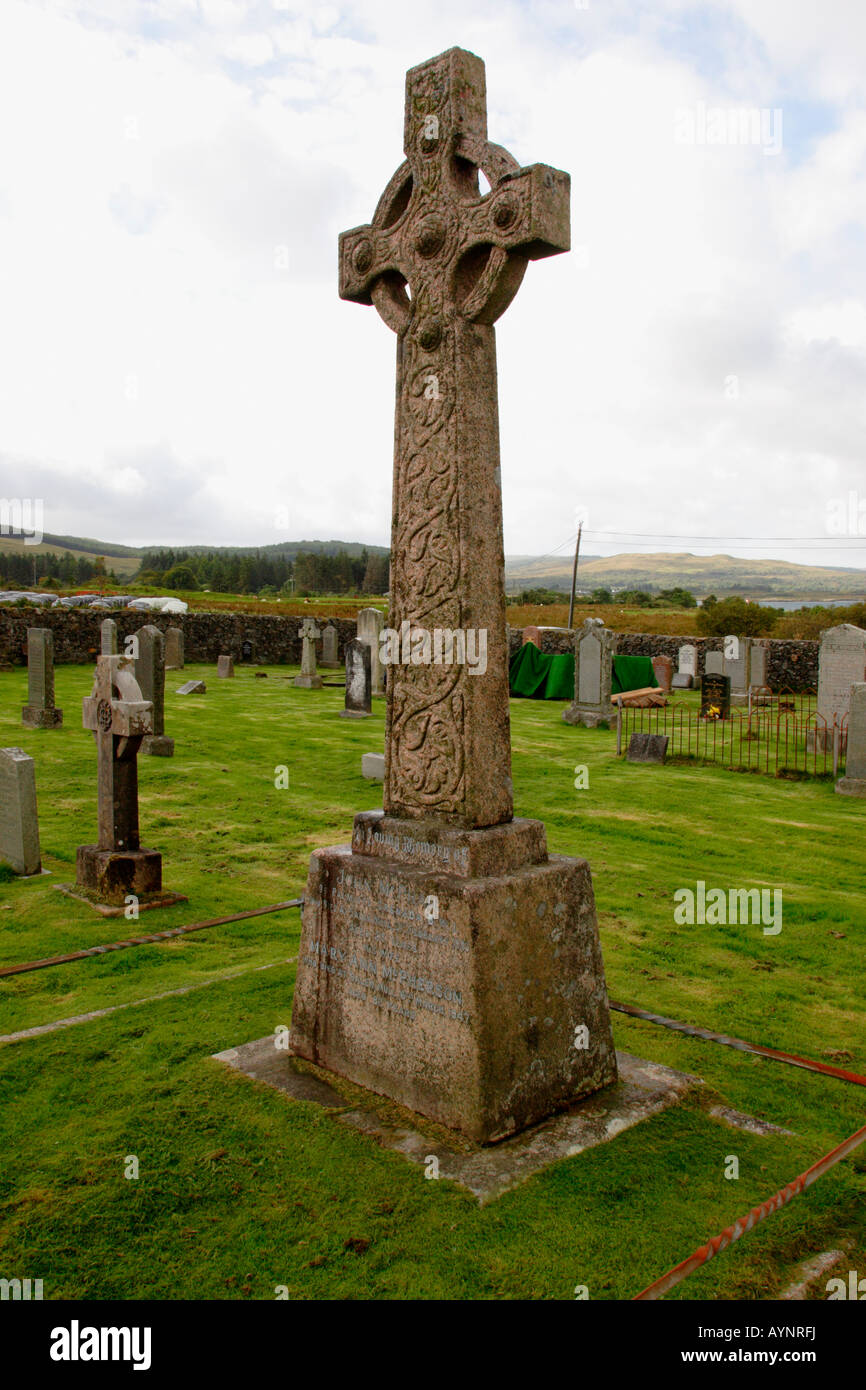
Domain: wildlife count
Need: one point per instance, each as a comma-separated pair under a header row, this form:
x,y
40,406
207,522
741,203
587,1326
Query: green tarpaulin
x,y
536,675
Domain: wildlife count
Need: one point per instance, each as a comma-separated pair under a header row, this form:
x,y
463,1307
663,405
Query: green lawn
x,y
241,1190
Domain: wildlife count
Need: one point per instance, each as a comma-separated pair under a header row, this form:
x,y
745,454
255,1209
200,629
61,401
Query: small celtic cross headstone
x,y
309,679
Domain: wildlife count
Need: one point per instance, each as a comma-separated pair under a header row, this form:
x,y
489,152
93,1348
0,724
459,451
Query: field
x,y
241,1190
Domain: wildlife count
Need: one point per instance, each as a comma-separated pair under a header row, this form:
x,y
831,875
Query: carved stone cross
x,y
309,678
119,723
441,261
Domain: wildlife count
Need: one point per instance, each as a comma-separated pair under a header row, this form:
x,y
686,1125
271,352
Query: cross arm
x,y
527,212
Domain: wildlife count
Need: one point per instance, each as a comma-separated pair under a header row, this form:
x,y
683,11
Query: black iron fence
x,y
775,732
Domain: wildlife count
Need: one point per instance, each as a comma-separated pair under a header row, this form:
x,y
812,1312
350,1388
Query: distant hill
x,y
702,574
125,560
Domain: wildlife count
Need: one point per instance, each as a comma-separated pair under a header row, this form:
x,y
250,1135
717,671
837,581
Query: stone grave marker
x,y
39,712
192,688
687,660
854,781
108,872
373,766
841,664
309,679
446,960
647,748
358,680
108,637
19,824
715,696
714,664
174,649
758,654
225,667
370,623
246,650
150,674
594,649
663,668
682,680
330,646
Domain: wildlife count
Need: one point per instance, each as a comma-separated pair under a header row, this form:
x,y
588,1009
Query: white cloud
x,y
175,363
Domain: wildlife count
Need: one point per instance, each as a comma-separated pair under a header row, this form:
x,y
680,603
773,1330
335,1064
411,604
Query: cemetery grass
x,y
241,1191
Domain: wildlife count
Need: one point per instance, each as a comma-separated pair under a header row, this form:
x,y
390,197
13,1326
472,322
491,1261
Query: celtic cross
x,y
119,722
441,261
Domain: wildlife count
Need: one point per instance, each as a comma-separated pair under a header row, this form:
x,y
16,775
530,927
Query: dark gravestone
x,y
682,681
358,680
246,651
647,748
715,696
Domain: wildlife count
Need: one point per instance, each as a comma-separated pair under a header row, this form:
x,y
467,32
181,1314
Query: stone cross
x,y
119,723
309,678
39,712
441,262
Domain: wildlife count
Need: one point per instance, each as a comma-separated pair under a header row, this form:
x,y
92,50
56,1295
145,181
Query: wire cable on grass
x,y
145,940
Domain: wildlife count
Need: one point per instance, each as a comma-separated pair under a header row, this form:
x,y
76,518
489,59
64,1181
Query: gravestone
x,y
19,824
108,637
330,646
594,649
714,664
682,680
246,650
647,748
854,781
532,634
174,649
715,696
225,667
39,712
150,674
192,688
758,654
663,668
687,659
841,664
108,872
370,623
446,960
373,766
309,679
735,664
358,689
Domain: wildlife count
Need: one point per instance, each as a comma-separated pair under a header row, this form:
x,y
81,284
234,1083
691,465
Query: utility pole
x,y
574,577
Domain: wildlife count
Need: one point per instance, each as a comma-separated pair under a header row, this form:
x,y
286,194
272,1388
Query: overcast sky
x,y
176,365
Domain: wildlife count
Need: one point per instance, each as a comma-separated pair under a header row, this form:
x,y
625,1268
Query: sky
x,y
176,365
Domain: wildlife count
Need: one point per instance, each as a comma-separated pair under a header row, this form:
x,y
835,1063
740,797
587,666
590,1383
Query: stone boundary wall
x,y
790,665
274,638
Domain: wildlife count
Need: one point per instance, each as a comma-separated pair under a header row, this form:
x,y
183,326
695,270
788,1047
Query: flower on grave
x,y
712,712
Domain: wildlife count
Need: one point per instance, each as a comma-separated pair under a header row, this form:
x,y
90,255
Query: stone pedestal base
x,y
851,786
589,718
308,682
41,718
457,972
355,714
112,874
158,746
